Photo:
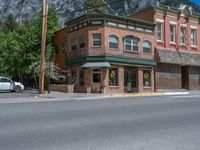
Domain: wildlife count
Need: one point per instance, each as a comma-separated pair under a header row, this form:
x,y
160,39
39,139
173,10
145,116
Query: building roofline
x,y
111,15
60,30
166,7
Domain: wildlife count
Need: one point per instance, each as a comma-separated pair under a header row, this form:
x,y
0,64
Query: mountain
x,y
69,9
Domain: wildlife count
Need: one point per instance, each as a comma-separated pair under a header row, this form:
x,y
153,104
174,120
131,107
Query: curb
x,y
148,94
122,95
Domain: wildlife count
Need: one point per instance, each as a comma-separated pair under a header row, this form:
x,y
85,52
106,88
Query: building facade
x,y
108,53
155,49
177,46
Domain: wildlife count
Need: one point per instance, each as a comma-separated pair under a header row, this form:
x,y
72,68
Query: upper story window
x,y
173,33
193,37
74,44
183,35
81,42
147,46
131,43
63,48
113,42
160,31
97,40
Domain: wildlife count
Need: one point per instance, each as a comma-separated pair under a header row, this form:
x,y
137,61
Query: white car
x,y
7,84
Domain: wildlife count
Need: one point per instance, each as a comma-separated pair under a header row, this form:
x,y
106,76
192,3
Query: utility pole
x,y
43,50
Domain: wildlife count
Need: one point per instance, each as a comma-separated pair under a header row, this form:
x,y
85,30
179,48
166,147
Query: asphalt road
x,y
146,123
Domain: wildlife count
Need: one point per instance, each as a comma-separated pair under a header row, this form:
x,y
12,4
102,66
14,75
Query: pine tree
x,y
10,24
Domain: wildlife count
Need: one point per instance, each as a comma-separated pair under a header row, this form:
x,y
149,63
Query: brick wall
x,y
194,78
168,76
178,22
62,88
146,14
121,34
59,38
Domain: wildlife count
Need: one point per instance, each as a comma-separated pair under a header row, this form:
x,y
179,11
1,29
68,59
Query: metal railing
x,y
117,53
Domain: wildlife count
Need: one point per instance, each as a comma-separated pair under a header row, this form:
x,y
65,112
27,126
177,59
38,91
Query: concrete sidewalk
x,y
79,96
59,96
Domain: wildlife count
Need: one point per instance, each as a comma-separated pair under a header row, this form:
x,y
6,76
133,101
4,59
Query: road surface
x,y
143,123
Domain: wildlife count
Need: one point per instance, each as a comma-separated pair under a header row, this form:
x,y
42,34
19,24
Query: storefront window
x,y
96,76
147,78
113,77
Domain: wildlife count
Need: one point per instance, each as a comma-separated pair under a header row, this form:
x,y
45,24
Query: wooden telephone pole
x,y
43,50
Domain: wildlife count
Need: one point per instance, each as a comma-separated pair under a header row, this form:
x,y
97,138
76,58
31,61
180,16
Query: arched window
x,y
131,43
113,42
147,47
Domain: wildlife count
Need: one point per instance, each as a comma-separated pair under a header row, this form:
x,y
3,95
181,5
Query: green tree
x,y
21,48
10,24
90,5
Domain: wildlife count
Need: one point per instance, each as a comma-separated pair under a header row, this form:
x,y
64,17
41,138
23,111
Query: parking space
x,y
25,93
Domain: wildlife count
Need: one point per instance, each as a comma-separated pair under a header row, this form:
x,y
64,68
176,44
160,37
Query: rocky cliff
x,y
68,9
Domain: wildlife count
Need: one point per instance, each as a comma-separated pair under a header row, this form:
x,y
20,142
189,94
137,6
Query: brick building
x,y
107,52
119,54
177,46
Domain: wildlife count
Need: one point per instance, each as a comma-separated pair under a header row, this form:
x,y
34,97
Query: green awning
x,y
96,65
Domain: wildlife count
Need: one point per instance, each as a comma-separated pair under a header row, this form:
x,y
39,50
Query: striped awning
x,y
97,65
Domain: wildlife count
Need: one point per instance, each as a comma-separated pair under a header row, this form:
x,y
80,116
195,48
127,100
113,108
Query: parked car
x,y
7,84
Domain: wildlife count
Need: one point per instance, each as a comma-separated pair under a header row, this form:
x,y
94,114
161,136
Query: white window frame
x,y
150,46
132,44
161,32
63,48
74,42
183,35
194,39
98,40
81,41
117,41
172,34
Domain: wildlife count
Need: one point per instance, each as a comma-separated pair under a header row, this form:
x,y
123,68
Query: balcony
x,y
117,53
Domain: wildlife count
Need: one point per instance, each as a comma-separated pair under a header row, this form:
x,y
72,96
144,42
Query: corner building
x,y
177,46
108,53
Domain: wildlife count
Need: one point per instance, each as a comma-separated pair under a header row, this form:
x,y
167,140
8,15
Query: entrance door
x,y
130,81
185,77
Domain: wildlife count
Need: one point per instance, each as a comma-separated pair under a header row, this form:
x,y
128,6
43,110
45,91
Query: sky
x,y
196,2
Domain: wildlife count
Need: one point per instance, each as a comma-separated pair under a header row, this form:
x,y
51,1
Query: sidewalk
x,y
59,96
81,96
